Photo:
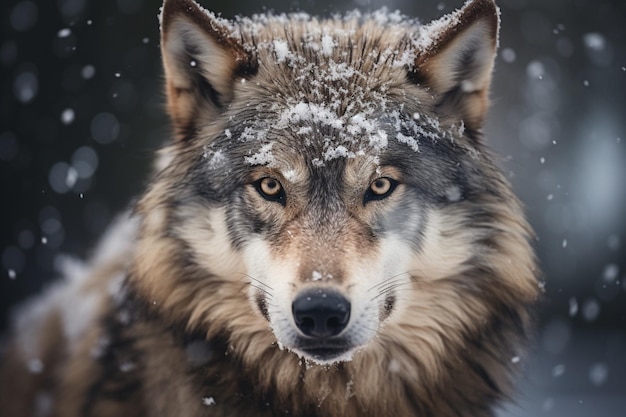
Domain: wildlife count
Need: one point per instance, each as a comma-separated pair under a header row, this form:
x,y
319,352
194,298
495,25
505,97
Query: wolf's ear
x,y
458,59
202,58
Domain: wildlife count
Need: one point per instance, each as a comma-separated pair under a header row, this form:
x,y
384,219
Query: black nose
x,y
320,313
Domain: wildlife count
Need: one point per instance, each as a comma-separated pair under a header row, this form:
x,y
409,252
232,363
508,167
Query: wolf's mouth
x,y
326,353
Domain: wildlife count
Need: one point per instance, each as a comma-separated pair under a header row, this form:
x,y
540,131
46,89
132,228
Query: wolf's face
x,y
328,178
328,235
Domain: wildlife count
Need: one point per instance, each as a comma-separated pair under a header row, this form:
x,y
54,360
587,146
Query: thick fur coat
x,y
311,159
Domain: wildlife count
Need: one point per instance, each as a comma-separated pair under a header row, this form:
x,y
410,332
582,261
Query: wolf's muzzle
x,y
321,313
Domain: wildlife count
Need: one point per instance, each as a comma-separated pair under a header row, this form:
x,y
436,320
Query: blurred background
x,y
81,110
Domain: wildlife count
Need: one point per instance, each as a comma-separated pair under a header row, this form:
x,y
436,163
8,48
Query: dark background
x,y
81,111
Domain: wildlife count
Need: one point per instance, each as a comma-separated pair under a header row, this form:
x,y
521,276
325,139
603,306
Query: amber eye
x,y
270,189
379,188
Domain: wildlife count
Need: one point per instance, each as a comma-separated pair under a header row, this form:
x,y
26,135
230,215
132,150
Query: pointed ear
x,y
202,58
457,62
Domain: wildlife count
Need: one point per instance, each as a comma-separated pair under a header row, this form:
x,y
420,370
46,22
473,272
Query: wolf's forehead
x,y
379,28
332,50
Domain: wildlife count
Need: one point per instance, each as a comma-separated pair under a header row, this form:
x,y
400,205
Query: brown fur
x,y
465,313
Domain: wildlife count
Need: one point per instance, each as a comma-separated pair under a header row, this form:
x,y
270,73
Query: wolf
x,y
326,234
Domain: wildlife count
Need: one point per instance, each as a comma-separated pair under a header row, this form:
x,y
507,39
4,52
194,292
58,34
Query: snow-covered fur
x,y
325,235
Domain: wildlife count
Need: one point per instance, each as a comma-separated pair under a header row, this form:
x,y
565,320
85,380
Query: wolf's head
x,y
328,192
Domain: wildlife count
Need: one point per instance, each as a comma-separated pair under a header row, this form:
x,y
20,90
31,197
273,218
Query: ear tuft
x,y
457,58
202,57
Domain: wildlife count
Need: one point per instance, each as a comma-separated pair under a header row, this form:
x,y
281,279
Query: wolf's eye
x,y
270,189
379,188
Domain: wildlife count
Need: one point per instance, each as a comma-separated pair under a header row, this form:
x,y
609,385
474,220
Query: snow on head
x,y
334,87
310,112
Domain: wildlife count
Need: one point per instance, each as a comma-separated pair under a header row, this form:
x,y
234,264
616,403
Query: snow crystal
x,y
252,133
610,273
316,276
263,157
378,141
535,70
72,176
310,112
468,86
338,152
67,116
340,72
88,71
508,55
453,194
558,370
281,48
216,159
64,33
208,401
44,240
328,44
394,366
564,244
573,306
228,134
85,161
289,175
515,359
25,87
127,366
383,17
409,140
305,130
407,59
594,41
359,123
35,366
61,178
598,374
12,274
